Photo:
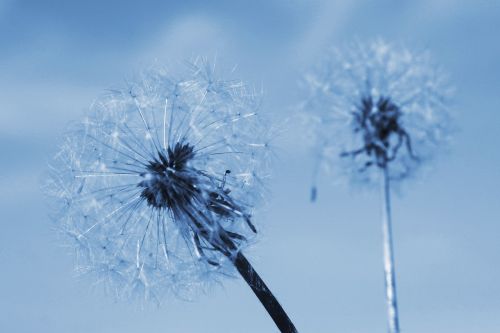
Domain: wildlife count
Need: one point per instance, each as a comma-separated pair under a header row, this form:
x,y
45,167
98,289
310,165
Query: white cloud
x,y
186,36
331,17
36,108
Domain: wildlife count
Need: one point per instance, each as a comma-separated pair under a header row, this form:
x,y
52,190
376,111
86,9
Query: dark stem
x,y
264,295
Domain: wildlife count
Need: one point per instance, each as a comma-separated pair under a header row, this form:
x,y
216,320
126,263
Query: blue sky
x,y
323,261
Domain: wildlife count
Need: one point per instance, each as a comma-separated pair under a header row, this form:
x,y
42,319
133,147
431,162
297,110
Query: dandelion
x,y
155,189
377,111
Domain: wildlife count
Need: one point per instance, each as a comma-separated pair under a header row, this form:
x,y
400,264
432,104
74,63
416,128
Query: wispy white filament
x,y
98,179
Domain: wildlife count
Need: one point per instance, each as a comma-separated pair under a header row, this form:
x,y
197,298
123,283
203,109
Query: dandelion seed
x,y
377,111
157,186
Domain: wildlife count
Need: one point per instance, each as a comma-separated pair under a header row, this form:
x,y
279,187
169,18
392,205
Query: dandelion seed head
x,y
375,105
154,191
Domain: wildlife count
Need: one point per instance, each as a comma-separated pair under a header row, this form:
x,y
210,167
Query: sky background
x,y
323,260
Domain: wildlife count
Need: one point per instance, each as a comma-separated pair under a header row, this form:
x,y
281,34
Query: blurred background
x,y
322,260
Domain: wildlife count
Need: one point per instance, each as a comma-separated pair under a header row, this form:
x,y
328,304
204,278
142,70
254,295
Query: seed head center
x,y
168,181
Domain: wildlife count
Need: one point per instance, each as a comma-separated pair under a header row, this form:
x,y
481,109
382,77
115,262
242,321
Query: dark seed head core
x,y
379,122
167,180
169,183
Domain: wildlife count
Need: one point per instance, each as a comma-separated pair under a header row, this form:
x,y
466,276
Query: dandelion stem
x,y
263,293
389,271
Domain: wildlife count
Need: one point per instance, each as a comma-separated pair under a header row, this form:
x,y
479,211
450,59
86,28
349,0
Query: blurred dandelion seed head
x,y
375,105
155,189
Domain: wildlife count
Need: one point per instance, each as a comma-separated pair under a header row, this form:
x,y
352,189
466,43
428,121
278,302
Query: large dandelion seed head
x,y
376,105
155,189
